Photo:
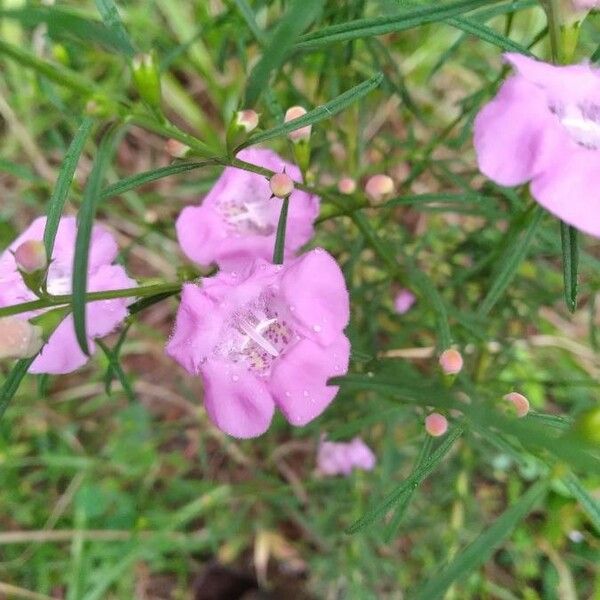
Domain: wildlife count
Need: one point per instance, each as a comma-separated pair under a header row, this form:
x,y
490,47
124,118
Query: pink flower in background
x,y
237,220
269,336
62,353
404,301
340,458
544,127
586,4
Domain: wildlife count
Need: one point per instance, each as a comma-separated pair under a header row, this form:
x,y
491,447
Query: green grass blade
x,y
280,238
409,484
248,15
369,27
85,223
588,503
477,553
487,34
296,19
516,246
320,113
11,383
63,183
110,15
570,253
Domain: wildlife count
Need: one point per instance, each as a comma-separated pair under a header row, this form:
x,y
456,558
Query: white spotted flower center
x,y
256,335
251,215
582,123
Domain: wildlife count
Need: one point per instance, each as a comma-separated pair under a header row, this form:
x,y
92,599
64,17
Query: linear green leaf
x,y
11,383
570,263
278,251
487,34
246,12
85,222
320,113
59,195
409,484
296,19
588,503
110,15
477,553
362,28
516,246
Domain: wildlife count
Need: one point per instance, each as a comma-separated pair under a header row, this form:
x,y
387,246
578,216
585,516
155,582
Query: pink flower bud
x,y
176,148
520,403
436,425
404,301
379,186
247,120
585,4
19,338
30,256
281,185
346,185
451,361
295,112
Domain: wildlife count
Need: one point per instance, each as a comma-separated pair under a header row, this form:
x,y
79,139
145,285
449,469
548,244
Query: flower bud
x,y
247,120
451,361
281,185
176,148
19,338
520,403
242,123
303,133
379,186
404,301
436,425
346,185
147,78
30,256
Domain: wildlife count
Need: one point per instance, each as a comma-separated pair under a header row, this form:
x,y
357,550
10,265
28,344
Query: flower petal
x,y
299,378
314,289
236,401
200,232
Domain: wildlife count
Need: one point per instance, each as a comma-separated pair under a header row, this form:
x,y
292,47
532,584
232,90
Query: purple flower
x,y
340,458
237,220
269,336
404,301
544,127
62,353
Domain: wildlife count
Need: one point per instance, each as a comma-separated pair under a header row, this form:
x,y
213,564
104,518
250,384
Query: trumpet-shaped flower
x,y
237,220
268,336
544,127
341,458
62,353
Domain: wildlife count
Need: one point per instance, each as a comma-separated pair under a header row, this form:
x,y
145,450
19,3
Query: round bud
x,y
436,425
281,185
247,120
346,185
379,186
176,148
451,361
295,112
30,256
19,338
520,403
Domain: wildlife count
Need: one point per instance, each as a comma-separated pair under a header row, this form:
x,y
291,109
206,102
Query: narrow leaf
x,y
477,553
487,34
87,212
110,15
11,383
297,18
588,503
278,252
333,107
63,183
246,12
514,251
570,253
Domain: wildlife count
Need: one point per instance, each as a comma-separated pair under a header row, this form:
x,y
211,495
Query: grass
x,y
114,484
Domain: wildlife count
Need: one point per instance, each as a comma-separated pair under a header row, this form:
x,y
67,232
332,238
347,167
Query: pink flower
x,y
62,353
586,4
544,127
404,301
270,336
237,221
340,458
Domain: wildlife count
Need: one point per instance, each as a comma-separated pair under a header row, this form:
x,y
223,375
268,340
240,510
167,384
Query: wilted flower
x,y
270,336
404,301
544,127
237,221
341,458
436,424
62,353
